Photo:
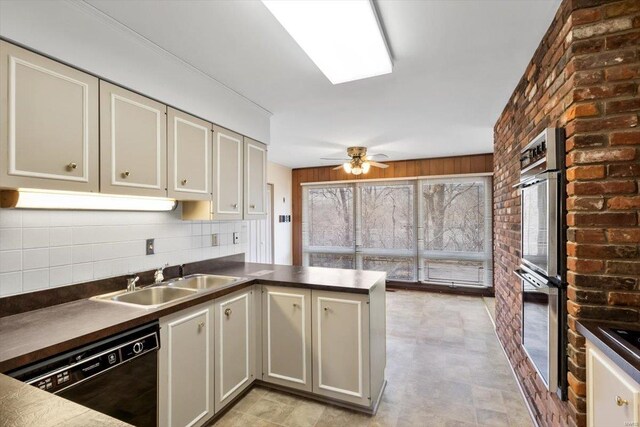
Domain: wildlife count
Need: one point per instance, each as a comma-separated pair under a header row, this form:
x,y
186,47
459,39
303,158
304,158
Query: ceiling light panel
x,y
343,38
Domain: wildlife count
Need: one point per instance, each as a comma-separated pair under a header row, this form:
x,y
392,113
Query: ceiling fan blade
x,y
378,165
380,155
335,158
336,168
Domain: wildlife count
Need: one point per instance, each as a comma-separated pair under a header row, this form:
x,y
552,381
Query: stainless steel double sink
x,y
163,293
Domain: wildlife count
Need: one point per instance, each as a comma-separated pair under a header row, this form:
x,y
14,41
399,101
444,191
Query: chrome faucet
x,y
158,276
131,283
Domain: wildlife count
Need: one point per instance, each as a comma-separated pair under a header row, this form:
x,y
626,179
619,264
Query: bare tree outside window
x,y
330,216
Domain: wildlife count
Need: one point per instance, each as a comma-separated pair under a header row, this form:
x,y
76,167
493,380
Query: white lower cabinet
x,y
234,345
286,336
185,365
341,346
613,397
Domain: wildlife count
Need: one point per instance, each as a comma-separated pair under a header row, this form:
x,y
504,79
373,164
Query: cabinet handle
x,y
227,312
327,309
71,166
252,206
620,401
125,174
295,305
200,326
184,182
234,206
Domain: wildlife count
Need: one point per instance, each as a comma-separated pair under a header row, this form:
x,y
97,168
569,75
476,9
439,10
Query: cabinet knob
x,y
620,401
327,309
200,326
235,205
184,182
125,174
227,312
252,206
295,305
71,166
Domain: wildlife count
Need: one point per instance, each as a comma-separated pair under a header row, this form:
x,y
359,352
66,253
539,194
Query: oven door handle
x,y
539,288
542,176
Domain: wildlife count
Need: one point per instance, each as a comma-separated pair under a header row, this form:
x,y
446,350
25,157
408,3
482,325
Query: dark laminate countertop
x,y
24,405
34,335
628,361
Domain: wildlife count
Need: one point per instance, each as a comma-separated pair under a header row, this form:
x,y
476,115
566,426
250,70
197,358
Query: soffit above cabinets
x,y
455,64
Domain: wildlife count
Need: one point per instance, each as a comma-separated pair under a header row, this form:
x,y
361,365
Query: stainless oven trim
x,y
552,336
67,367
552,225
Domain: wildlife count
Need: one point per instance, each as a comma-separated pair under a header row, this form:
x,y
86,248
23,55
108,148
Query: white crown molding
x,y
89,9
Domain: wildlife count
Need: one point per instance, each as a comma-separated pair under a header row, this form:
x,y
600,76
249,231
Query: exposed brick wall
x,y
583,77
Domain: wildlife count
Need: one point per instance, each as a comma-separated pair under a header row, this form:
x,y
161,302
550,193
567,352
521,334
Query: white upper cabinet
x,y
255,179
133,143
48,123
188,157
227,174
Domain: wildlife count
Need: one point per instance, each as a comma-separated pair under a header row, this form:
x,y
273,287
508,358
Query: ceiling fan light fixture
x,y
347,167
356,170
365,167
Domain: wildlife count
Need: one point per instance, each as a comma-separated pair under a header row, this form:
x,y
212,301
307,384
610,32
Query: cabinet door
x,y
186,368
234,341
255,179
227,174
48,123
286,336
341,346
612,396
188,157
133,144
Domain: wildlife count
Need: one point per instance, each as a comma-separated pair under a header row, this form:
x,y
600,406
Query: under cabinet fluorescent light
x,y
44,199
343,38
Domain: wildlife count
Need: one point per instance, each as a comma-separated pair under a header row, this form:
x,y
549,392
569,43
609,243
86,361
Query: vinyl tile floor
x,y
445,367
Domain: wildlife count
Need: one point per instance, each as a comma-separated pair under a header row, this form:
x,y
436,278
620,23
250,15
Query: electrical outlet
x,y
236,238
214,239
151,246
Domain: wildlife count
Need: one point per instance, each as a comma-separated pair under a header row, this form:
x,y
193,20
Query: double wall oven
x,y
542,184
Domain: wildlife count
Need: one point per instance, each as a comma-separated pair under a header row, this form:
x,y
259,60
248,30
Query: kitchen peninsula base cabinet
x,y
286,336
185,367
234,345
613,397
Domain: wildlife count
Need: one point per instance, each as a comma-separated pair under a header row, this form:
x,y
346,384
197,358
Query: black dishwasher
x,y
117,376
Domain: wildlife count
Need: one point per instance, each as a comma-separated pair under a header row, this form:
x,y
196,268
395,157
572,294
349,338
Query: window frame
x,y
417,253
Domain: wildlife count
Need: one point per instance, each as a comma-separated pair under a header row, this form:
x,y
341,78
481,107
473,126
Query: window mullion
x,y
357,218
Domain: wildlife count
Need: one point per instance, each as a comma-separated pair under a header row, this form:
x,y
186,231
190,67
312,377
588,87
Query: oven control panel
x,y
533,154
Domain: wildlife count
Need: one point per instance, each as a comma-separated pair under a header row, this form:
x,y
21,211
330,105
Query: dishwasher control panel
x,y
77,366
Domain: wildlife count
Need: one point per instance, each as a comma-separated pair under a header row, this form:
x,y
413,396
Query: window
x,y
328,226
433,230
455,218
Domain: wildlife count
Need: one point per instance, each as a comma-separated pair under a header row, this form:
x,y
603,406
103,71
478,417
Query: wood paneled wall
x,y
397,169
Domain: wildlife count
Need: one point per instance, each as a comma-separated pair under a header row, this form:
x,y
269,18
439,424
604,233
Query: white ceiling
x,y
455,65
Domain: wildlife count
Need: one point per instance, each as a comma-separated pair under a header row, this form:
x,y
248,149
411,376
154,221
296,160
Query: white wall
x,y
43,249
75,32
280,177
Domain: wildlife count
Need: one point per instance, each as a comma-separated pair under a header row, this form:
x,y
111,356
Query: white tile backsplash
x,y
41,249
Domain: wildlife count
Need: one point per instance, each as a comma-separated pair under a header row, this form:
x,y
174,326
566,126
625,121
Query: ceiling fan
x,y
359,161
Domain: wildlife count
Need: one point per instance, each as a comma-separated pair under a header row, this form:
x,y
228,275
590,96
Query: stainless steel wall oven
x,y
542,266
